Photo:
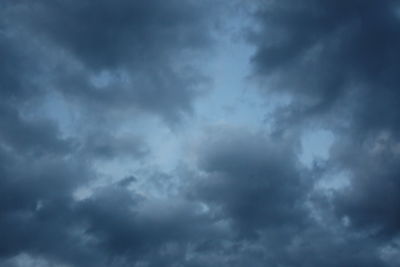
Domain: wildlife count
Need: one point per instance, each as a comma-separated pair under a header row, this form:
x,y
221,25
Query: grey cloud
x,y
47,47
107,146
113,227
145,48
249,200
369,200
127,181
256,186
320,247
36,136
113,34
339,63
139,53
255,180
139,230
337,58
36,194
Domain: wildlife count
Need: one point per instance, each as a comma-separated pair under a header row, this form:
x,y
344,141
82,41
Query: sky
x,y
183,133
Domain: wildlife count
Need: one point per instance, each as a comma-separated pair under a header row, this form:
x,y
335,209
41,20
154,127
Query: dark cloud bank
x,y
249,200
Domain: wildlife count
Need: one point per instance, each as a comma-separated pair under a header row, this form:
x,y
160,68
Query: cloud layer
x,y
95,95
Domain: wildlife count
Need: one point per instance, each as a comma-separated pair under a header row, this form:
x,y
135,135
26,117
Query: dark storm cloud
x,y
106,34
333,56
248,201
255,184
113,227
141,54
127,181
36,194
338,61
140,230
99,58
16,76
104,146
256,181
36,136
318,247
144,47
370,199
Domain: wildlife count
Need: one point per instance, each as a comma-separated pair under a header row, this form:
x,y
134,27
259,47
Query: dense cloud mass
x,y
339,62
254,181
121,143
330,56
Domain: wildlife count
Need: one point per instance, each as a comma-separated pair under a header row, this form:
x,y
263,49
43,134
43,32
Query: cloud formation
x,y
332,57
94,95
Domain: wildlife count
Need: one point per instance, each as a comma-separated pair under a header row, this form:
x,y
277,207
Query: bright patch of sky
x,y
315,146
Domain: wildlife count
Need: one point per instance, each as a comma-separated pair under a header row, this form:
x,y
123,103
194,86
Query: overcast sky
x,y
199,133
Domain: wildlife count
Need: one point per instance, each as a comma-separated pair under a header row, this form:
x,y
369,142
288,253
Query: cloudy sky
x,y
188,133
